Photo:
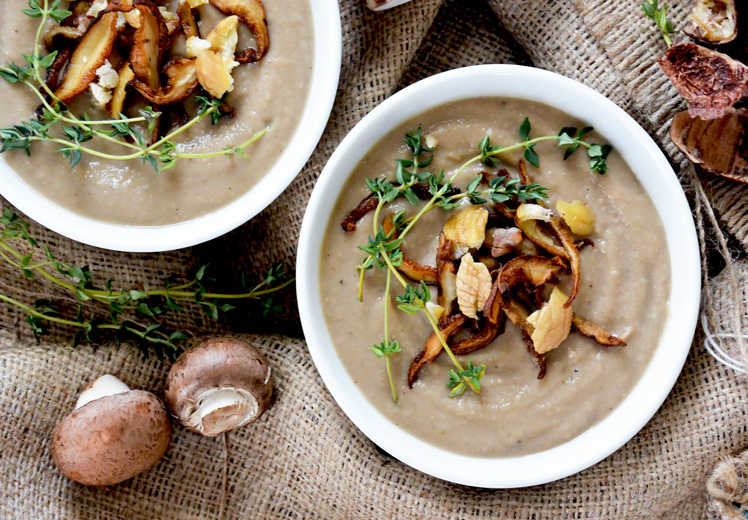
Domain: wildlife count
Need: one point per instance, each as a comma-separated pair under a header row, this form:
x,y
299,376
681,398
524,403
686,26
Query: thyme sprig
x,y
383,249
659,16
127,313
161,154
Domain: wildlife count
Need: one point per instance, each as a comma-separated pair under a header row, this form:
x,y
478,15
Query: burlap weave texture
x,y
304,459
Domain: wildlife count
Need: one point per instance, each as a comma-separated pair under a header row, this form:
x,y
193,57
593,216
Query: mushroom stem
x,y
222,409
102,387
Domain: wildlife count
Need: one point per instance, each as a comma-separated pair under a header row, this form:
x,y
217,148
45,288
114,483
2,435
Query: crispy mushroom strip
x,y
446,274
488,332
573,256
151,40
713,21
252,13
54,72
517,314
117,105
181,82
532,270
433,346
593,330
94,49
187,19
71,28
716,145
410,268
709,80
369,203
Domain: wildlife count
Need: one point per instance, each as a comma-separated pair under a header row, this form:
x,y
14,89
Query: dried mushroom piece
x,y
446,275
468,226
481,339
473,286
592,330
181,82
552,322
119,94
518,315
94,49
410,268
718,145
709,80
433,346
713,21
187,20
151,38
252,14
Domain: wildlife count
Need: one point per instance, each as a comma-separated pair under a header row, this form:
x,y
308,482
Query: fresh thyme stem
x,y
35,312
432,320
387,335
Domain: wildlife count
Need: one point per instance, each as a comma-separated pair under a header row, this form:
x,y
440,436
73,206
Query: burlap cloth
x,y
304,459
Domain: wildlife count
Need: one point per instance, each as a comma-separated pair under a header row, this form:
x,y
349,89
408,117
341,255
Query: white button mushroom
x,y
113,434
219,385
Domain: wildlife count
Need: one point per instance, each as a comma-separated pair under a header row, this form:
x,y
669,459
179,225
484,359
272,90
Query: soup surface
x,y
273,91
625,282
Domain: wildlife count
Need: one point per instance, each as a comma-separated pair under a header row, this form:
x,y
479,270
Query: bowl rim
x,y
121,237
656,175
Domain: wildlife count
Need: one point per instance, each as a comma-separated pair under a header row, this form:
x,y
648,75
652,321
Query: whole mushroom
x,y
219,385
113,434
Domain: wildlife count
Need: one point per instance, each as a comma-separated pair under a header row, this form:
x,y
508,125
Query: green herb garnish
x,y
659,17
124,313
384,249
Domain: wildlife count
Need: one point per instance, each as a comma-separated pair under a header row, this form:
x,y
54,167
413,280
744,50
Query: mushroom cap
x,y
112,439
219,385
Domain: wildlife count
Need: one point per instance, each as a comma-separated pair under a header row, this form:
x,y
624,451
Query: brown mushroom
x,y
409,267
113,434
151,38
446,275
433,346
219,385
93,50
718,145
711,81
592,330
181,76
252,14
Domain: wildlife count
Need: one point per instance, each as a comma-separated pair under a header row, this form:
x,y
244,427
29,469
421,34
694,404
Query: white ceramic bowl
x,y
323,87
657,177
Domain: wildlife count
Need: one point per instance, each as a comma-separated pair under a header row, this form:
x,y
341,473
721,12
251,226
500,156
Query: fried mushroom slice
x,y
187,19
181,77
532,270
713,21
252,14
151,38
573,256
94,49
446,275
592,330
117,105
481,339
433,346
410,268
709,80
718,146
517,314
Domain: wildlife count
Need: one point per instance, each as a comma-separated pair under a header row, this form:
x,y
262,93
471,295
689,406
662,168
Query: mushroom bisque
x,y
219,385
113,434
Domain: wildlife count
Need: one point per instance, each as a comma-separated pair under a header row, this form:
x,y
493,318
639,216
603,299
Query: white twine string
x,y
712,344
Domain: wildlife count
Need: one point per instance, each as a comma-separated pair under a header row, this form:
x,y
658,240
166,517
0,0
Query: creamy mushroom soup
x,y
625,282
273,91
